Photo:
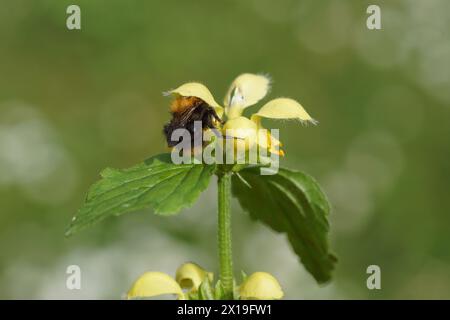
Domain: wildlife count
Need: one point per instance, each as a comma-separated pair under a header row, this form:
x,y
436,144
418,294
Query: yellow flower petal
x,y
243,129
269,142
240,123
152,284
261,286
283,108
190,276
246,90
195,89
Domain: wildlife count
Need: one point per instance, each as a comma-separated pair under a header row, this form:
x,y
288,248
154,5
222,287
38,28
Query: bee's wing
x,y
186,115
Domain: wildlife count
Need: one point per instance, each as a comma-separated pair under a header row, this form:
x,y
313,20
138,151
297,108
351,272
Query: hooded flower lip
x,y
260,286
246,90
190,276
196,89
152,284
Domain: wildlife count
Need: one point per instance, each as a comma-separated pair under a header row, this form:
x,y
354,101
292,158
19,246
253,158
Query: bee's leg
x,y
204,117
214,114
167,130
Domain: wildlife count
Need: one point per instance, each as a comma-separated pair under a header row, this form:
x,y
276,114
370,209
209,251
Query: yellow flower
x,y
260,286
243,130
245,91
190,276
151,284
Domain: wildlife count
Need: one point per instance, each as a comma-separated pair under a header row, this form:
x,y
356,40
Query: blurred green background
x,y
74,102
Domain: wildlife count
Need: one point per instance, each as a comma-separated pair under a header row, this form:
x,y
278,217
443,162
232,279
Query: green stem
x,y
224,234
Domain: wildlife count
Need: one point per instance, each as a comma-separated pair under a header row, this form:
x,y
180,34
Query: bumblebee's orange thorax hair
x,y
180,104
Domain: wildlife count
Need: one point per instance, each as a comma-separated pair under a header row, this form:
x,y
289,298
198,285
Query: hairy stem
x,y
224,234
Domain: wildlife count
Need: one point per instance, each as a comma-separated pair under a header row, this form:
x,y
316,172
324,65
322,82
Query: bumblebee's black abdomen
x,y
186,120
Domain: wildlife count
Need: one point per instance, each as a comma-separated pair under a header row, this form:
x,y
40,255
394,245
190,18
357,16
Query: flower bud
x,y
152,284
260,286
190,276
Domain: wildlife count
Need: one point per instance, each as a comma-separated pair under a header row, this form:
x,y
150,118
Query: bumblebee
x,y
185,111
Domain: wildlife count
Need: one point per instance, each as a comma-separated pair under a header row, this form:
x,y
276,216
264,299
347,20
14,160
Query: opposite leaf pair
x,y
289,201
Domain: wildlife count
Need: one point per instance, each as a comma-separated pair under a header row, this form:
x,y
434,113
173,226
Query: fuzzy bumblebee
x,y
185,112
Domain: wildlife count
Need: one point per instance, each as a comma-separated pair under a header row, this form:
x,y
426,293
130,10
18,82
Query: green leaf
x,y
205,290
243,276
192,295
156,183
291,202
218,290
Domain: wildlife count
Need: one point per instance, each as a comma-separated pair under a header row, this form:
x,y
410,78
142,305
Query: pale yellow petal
x,y
283,108
152,284
196,89
190,276
246,90
261,286
240,124
265,139
269,142
243,130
